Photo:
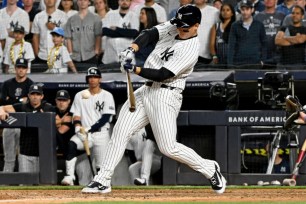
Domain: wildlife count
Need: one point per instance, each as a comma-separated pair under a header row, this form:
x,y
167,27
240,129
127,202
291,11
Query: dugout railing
x,y
45,122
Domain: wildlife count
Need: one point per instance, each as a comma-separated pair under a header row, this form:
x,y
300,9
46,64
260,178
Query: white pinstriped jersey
x,y
27,53
178,56
113,46
91,110
39,27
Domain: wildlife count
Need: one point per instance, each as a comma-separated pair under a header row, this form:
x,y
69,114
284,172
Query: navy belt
x,y
150,83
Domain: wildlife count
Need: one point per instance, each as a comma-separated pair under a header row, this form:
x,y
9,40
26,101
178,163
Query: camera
x,y
226,93
274,87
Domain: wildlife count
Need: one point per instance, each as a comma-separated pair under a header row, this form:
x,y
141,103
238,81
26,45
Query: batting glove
x,y
81,136
77,129
128,66
127,54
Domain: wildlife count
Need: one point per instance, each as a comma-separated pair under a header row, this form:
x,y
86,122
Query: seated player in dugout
x,y
28,158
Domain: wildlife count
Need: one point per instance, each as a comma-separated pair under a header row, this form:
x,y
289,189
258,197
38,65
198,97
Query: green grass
x,y
146,188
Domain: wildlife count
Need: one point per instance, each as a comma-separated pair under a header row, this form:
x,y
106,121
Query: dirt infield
x,y
163,195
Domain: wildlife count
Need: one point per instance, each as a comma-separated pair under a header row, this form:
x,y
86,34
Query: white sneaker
x,y
217,181
68,181
96,187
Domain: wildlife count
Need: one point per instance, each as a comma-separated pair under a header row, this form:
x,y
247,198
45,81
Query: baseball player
x,y
158,102
18,48
28,158
92,109
148,159
58,57
14,90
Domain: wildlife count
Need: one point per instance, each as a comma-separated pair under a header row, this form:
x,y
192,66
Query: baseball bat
x,y
298,164
87,150
130,93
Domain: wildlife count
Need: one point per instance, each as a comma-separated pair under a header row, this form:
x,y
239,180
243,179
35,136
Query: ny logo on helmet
x,y
179,16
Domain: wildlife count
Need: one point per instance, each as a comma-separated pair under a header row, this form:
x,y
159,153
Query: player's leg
x,y
163,116
134,170
10,145
100,141
127,124
74,146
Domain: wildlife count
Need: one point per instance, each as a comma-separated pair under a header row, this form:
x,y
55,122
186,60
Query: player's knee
x,y
169,151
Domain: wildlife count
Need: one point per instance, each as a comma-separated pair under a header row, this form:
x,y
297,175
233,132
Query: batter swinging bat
x,y
86,147
298,164
130,93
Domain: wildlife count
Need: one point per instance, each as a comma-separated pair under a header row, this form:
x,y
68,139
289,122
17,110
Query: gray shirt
x,y
82,33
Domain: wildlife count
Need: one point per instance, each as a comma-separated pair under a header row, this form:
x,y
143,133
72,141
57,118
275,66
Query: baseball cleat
x,y
140,182
96,187
217,181
67,181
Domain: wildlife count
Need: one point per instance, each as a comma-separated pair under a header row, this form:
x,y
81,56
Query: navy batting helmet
x,y
93,71
186,16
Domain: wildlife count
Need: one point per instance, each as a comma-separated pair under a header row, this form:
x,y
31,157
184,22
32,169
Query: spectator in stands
x,y
173,11
159,10
219,35
258,6
272,21
292,40
147,20
148,157
285,7
83,34
58,57
28,158
135,3
28,6
18,48
3,36
247,40
217,4
288,19
19,3
68,7
101,8
14,90
210,16
42,4
43,24
92,110
12,16
119,27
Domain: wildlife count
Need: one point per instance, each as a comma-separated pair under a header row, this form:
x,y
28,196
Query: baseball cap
x,y
35,88
246,3
186,16
62,94
21,62
19,28
59,31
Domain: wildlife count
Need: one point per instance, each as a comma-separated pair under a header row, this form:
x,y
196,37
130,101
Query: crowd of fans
x,y
62,34
59,35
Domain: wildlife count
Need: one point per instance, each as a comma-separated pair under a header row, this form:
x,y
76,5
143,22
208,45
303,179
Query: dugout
x,y
203,123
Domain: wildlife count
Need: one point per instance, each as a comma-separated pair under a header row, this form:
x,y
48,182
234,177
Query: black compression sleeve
x,y
147,36
128,33
102,121
156,74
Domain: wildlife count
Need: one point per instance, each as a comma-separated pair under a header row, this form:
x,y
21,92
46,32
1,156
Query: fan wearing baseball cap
x,y
28,158
18,48
58,56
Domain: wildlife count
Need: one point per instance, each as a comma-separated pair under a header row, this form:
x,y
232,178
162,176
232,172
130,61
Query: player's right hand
x,y
127,54
81,136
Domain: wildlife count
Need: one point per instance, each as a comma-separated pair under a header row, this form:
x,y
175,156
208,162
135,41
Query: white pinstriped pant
x,y
159,107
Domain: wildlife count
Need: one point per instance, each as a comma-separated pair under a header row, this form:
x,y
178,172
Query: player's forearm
x,y
147,36
158,75
100,123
